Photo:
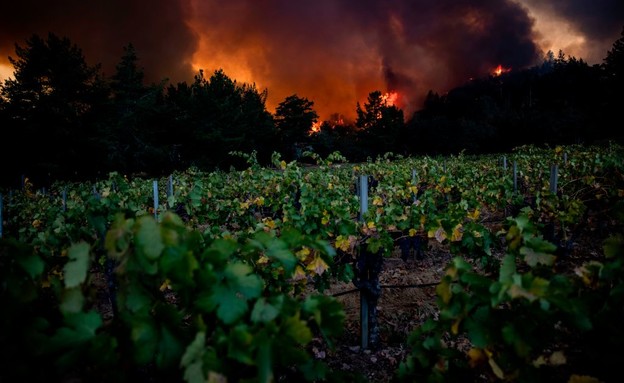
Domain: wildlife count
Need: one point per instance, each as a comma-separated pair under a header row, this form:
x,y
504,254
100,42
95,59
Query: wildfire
x,y
390,98
334,120
316,127
500,70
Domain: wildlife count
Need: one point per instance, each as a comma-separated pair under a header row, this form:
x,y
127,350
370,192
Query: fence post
x,y
363,194
155,183
553,179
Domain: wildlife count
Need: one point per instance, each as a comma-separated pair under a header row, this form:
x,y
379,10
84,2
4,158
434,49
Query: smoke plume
x,y
332,52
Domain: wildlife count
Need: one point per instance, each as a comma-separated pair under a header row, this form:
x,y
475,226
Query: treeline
x,y
63,119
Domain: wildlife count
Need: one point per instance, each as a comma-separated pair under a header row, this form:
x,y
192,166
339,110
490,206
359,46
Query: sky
x,y
332,52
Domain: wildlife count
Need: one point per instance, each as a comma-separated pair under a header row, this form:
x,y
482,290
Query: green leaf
x,y
240,344
169,349
148,238
275,248
144,335
220,250
79,329
523,222
461,265
327,312
72,301
297,330
374,245
230,305
507,269
515,338
431,343
137,298
75,271
539,286
279,251
204,302
194,351
479,328
241,279
192,360
614,246
264,312
533,258
118,237
194,373
32,264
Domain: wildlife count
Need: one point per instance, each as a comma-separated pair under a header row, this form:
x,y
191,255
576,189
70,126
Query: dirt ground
x,y
399,311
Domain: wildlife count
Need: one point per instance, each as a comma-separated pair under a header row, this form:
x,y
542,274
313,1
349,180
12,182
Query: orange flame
x,y
316,127
500,70
390,98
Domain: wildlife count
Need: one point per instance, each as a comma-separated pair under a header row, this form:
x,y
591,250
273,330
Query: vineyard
x,y
510,268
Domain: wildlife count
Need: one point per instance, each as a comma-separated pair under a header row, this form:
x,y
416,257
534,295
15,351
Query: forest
x,y
62,119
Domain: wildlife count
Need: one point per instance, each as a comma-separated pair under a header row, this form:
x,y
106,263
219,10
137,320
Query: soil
x,y
399,311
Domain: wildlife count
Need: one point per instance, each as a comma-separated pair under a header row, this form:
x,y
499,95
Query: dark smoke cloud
x,y
334,52
156,28
596,19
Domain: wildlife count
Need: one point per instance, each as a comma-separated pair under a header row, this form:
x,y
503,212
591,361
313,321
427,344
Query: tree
x,y
380,125
220,116
614,75
614,62
135,136
50,101
294,118
127,82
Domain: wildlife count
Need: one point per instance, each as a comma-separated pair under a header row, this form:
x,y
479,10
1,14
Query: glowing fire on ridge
x,y
316,127
390,98
500,70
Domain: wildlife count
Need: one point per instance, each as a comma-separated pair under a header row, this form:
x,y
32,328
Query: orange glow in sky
x,y
331,52
6,71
